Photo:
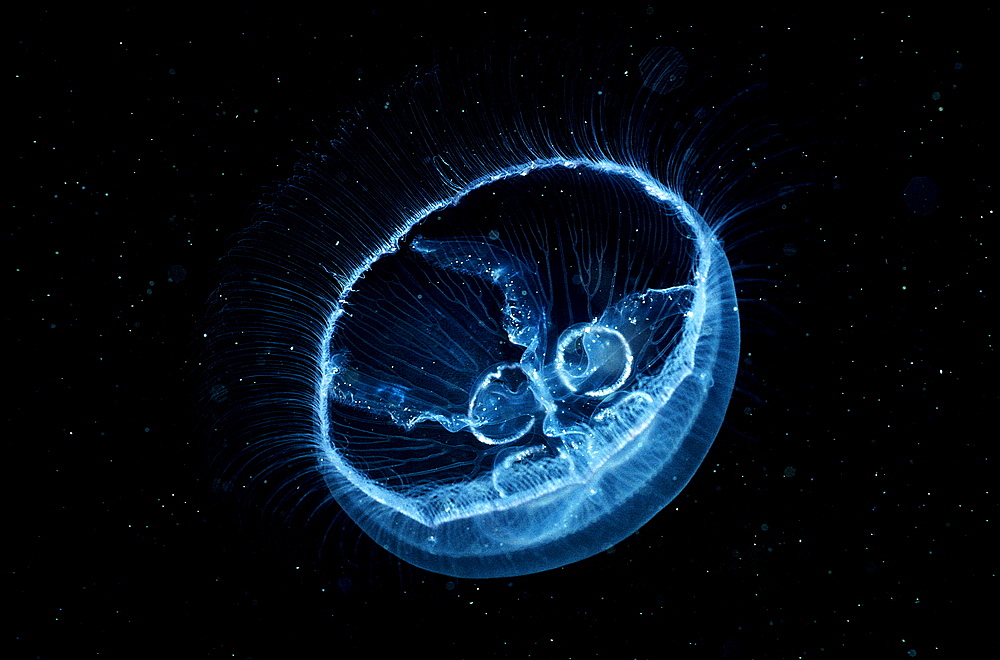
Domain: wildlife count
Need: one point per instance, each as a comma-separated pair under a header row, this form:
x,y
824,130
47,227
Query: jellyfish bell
x,y
495,323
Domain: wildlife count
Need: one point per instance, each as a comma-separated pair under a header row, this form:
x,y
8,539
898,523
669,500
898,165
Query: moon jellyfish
x,y
491,317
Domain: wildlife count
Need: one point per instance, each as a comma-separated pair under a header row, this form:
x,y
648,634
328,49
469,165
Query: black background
x,y
846,508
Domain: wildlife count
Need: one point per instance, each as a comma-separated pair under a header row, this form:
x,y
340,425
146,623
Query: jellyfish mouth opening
x,y
505,364
592,361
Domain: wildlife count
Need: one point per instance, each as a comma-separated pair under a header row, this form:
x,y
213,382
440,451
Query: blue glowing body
x,y
490,414
502,343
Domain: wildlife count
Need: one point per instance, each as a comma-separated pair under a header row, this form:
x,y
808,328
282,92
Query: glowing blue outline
x,y
406,504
